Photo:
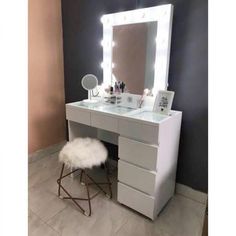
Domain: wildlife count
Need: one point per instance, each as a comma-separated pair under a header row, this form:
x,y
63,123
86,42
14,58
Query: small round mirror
x,y
89,82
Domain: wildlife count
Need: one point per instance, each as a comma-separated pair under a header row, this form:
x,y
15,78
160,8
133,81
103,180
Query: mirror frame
x,y
163,14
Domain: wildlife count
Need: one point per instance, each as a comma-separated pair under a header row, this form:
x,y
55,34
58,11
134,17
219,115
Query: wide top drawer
x,y
138,131
103,121
78,115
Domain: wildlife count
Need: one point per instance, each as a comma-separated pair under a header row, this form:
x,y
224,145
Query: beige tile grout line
x,y
122,226
45,222
36,184
194,200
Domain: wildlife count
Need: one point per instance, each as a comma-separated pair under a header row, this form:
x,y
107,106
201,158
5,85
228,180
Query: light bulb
x,y
102,19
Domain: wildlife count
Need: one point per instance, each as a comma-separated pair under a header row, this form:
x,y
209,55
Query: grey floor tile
x,y
181,217
51,215
43,200
70,221
107,218
33,221
43,169
36,227
44,230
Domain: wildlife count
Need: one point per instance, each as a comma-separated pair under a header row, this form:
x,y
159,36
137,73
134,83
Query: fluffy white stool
x,y
82,154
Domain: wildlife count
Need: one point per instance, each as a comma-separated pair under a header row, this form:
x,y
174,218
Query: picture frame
x,y
163,102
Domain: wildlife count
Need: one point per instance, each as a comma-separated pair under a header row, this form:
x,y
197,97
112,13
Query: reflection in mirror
x,y
133,55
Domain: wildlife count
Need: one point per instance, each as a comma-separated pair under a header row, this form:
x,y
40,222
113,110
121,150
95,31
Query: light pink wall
x,y
46,80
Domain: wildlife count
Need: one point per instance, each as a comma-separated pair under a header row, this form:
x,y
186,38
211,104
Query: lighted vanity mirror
x,y
136,48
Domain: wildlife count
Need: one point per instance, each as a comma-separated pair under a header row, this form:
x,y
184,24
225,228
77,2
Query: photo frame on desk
x,y
163,102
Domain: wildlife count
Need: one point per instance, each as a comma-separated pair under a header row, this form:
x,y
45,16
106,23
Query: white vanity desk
x,y
148,150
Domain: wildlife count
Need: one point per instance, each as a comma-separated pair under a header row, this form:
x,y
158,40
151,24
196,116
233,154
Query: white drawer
x,y
137,177
104,122
138,153
77,115
136,200
138,131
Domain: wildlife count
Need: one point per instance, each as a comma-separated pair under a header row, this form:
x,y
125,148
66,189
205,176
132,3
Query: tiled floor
x,y
49,215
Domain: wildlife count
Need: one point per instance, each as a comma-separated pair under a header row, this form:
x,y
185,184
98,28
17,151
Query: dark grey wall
x,y
188,75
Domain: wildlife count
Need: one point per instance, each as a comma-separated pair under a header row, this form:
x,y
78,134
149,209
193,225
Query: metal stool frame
x,y
74,199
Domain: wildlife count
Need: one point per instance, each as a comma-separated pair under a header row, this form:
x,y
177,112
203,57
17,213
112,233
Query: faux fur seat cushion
x,y
83,153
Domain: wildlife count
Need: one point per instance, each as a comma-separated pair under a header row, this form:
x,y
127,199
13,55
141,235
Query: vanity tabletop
x,y
143,115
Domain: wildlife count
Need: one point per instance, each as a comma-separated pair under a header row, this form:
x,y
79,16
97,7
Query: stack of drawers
x,y
137,172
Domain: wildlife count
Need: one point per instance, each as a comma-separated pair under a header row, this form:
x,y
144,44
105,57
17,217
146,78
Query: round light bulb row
x,y
107,43
107,65
163,41
136,16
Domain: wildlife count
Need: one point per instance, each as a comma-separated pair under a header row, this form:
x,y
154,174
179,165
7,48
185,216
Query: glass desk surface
x,y
149,116
107,108
135,113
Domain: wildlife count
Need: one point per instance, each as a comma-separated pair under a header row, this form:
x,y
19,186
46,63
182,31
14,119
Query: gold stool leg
x,y
59,181
60,186
81,178
89,199
86,183
108,180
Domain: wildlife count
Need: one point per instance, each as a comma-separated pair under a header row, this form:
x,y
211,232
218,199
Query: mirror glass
x,y
133,55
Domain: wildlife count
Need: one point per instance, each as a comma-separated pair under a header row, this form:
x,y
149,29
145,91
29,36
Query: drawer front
x,y
138,131
77,115
138,153
137,177
136,200
104,122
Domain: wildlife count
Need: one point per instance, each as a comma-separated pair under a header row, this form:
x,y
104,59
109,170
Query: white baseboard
x,y
46,151
191,193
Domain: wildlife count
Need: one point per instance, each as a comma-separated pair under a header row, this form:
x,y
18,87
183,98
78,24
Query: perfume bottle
x,y
117,88
122,86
